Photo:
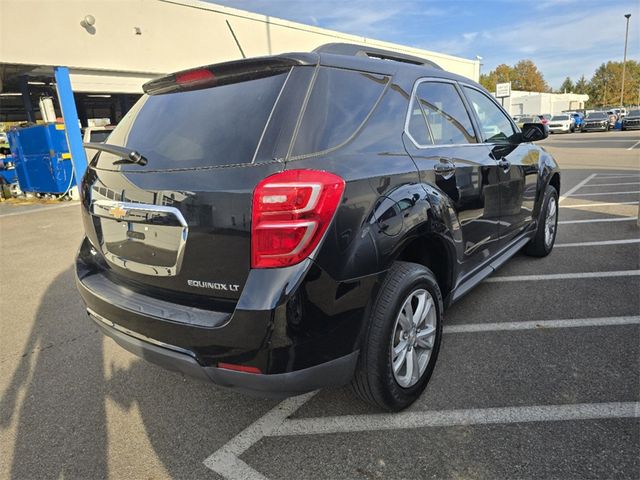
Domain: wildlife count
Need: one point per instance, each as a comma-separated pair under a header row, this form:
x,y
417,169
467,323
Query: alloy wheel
x,y
413,337
550,222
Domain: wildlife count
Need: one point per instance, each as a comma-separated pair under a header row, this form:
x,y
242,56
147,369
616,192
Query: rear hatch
x,y
178,227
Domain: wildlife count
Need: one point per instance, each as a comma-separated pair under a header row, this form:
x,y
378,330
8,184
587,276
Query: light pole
x,y
624,61
479,59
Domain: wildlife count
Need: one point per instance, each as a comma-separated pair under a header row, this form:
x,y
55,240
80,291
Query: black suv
x,y
284,223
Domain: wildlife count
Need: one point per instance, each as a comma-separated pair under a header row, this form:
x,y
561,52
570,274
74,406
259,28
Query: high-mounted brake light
x,y
291,212
194,76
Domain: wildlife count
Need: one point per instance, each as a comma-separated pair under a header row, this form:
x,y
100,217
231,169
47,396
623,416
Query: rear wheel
x,y
402,341
542,243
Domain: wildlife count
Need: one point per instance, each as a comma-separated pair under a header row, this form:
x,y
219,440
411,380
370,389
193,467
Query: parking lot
x,y
538,376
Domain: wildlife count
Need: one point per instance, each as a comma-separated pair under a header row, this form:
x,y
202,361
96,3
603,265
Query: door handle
x,y
504,164
444,167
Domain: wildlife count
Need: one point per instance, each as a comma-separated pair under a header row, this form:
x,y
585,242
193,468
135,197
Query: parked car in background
x,y
613,118
562,123
544,118
631,121
97,134
596,121
320,243
577,120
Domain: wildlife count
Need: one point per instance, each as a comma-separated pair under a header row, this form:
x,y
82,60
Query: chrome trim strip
x,y
99,318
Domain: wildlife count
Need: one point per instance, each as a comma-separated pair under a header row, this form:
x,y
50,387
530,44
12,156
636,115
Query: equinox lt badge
x,y
214,286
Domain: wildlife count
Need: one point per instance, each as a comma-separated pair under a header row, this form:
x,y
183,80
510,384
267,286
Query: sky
x,y
562,37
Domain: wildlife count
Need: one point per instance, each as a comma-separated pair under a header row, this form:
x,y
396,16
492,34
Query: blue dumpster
x,y
42,159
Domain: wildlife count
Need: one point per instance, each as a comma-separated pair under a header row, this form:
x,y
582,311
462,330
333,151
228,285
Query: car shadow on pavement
x,y
59,395
61,430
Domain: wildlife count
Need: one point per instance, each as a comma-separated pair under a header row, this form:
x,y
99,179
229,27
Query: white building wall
x,y
174,35
534,103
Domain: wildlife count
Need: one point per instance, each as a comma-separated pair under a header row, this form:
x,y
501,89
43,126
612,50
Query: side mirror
x,y
533,132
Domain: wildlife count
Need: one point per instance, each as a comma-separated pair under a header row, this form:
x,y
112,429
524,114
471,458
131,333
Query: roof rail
x,y
372,52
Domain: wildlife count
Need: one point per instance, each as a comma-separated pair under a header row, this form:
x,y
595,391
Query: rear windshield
x,y
199,128
527,120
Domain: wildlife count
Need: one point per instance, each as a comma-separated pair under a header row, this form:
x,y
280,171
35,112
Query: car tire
x,y
376,381
542,243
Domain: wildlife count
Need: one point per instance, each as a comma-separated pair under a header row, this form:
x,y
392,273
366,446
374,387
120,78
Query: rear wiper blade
x,y
126,154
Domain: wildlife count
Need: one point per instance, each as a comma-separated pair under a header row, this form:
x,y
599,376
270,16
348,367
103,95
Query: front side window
x,y
495,125
438,116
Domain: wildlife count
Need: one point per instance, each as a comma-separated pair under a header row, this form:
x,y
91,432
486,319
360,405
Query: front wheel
x,y
542,243
402,340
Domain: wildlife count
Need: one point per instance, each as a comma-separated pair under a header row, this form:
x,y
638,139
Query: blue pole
x,y
70,115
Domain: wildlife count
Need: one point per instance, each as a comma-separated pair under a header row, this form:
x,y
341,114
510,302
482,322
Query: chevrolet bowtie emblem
x,y
117,212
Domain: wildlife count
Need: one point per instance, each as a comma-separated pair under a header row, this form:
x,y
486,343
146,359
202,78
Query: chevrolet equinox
x,y
284,223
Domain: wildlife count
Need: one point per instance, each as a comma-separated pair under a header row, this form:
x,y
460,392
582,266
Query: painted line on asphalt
x,y
448,418
634,145
618,175
562,276
542,324
39,209
593,194
225,461
610,184
598,220
576,187
276,422
598,204
594,244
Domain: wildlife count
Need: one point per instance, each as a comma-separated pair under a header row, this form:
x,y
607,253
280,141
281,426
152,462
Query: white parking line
x,y
617,175
634,145
447,418
276,422
610,184
598,204
592,194
598,220
542,324
593,244
225,461
563,276
576,187
39,209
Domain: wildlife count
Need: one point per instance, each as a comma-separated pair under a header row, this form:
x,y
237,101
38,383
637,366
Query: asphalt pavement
x,y
538,376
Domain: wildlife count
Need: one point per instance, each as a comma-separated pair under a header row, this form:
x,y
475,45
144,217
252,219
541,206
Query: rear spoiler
x,y
228,72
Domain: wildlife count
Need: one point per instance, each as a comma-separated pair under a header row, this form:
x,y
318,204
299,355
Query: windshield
x,y
560,117
199,128
597,116
527,120
634,113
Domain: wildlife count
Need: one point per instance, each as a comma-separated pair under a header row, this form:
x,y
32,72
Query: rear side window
x,y
200,128
495,125
340,102
439,117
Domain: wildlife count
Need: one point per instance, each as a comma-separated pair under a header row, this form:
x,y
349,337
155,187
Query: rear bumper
x,y
335,372
299,327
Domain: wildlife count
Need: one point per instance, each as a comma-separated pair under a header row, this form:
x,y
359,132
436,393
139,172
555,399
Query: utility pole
x,y
624,61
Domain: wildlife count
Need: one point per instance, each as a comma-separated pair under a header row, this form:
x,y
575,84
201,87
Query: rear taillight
x,y
291,212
